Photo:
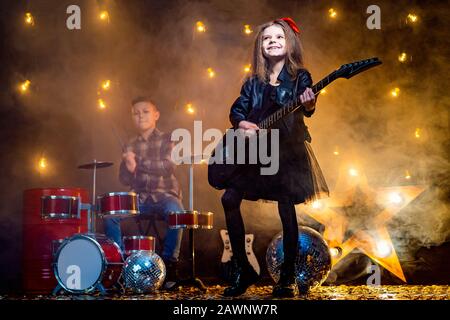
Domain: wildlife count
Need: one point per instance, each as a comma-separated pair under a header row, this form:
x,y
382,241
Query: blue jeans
x,y
172,241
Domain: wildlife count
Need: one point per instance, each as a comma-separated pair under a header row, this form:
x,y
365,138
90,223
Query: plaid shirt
x,y
154,174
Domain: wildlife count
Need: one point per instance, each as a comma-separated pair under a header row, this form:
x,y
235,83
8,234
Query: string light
x,y
106,85
42,164
101,104
407,175
336,151
24,86
402,57
200,26
417,133
412,17
211,73
247,68
247,29
332,13
190,108
29,19
104,15
395,92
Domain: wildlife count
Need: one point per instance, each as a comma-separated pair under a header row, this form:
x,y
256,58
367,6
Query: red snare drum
x,y
60,207
85,261
118,205
205,220
183,219
133,244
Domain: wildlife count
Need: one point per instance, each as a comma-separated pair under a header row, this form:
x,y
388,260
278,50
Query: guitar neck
x,y
295,104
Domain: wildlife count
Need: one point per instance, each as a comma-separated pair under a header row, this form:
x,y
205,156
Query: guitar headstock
x,y
351,69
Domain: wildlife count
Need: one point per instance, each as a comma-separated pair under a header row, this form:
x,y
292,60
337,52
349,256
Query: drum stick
x,y
114,130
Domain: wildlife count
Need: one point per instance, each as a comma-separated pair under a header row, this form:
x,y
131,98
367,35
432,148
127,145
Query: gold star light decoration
x,y
356,217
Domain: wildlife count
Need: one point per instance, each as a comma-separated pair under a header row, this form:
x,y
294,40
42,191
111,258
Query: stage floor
x,y
384,292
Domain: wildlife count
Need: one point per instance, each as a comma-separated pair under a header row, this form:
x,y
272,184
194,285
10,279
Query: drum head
x,y
79,264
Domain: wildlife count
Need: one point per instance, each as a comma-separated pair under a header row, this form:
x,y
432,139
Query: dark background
x,y
151,47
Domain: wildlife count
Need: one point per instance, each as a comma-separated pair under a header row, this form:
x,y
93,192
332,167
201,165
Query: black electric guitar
x,y
220,172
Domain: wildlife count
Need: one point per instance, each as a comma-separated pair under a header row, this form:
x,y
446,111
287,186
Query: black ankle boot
x,y
286,287
242,279
171,280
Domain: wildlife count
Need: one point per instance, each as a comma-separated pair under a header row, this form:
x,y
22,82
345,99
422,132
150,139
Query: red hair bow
x,y
292,24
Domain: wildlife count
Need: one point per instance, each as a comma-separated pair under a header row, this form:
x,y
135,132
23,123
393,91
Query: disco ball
x,y
313,262
143,272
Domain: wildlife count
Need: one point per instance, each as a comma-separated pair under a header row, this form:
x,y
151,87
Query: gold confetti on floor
x,y
403,292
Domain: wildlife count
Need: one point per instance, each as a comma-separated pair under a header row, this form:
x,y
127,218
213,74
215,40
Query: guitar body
x,y
223,171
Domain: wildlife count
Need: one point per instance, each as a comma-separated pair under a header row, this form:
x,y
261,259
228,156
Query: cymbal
x,y
95,164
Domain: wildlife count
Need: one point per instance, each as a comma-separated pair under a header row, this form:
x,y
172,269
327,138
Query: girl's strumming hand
x,y
308,99
249,128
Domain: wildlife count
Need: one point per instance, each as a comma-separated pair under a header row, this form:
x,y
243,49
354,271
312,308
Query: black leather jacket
x,y
250,102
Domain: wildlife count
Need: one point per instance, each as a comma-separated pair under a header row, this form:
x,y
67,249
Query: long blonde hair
x,y
294,52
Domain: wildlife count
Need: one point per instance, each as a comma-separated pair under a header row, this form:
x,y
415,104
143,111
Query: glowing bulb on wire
x,y
200,26
211,72
247,29
412,17
248,68
25,86
190,108
106,85
332,13
29,19
395,92
101,104
402,57
336,151
407,175
42,164
417,133
104,15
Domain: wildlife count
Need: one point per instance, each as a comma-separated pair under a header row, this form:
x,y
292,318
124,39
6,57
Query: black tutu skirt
x,y
298,180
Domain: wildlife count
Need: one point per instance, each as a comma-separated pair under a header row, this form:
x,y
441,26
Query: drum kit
x,y
82,260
